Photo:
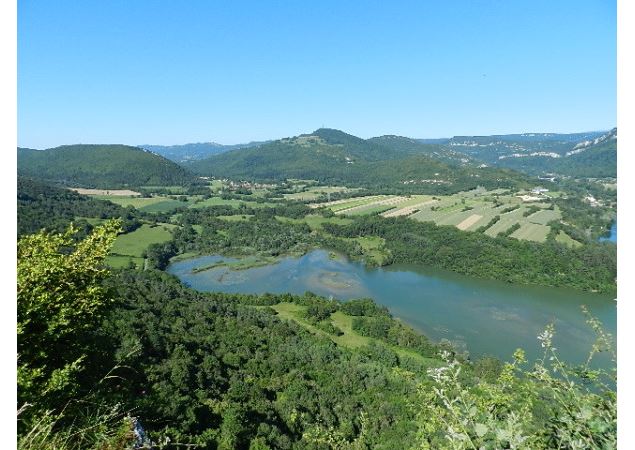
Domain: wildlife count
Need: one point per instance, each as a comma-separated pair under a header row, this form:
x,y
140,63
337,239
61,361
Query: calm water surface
x,y
483,317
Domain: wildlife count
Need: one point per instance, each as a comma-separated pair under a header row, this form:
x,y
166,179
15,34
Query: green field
x,y
164,206
151,204
216,201
373,248
136,202
134,243
121,261
532,232
545,216
564,238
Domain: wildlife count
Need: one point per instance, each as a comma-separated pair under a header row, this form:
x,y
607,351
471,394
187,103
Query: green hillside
x,y
597,160
101,166
334,157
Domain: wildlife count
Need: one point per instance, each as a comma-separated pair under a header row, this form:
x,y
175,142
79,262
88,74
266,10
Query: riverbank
x,y
482,316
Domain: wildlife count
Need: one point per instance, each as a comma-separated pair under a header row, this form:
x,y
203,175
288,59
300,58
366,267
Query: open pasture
x,y
531,232
135,202
134,243
216,201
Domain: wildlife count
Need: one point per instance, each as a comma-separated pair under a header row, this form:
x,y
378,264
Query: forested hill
x,y
332,156
101,166
42,206
411,146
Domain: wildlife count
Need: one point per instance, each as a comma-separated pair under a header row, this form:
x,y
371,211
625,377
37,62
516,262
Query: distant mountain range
x,y
194,152
332,156
591,154
101,166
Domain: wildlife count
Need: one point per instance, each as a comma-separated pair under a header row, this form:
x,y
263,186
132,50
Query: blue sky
x,y
168,72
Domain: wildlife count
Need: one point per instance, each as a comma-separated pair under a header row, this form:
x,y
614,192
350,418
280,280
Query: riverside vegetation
x,y
103,354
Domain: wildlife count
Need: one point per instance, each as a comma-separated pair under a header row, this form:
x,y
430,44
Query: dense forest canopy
x,y
43,206
101,166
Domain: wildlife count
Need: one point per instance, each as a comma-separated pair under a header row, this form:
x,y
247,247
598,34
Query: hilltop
x,y
101,166
333,156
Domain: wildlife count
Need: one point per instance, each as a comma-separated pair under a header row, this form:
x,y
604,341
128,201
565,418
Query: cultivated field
x,y
316,192
468,211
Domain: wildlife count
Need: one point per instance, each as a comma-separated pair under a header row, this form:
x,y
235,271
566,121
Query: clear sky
x,y
171,72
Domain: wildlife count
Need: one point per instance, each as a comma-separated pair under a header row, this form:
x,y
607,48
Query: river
x,y
480,316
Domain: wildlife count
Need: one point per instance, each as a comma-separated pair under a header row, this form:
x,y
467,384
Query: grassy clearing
x,y
564,238
92,220
134,243
120,261
350,338
372,247
291,311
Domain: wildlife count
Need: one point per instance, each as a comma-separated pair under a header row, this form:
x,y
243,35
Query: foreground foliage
x,y
108,358
549,405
